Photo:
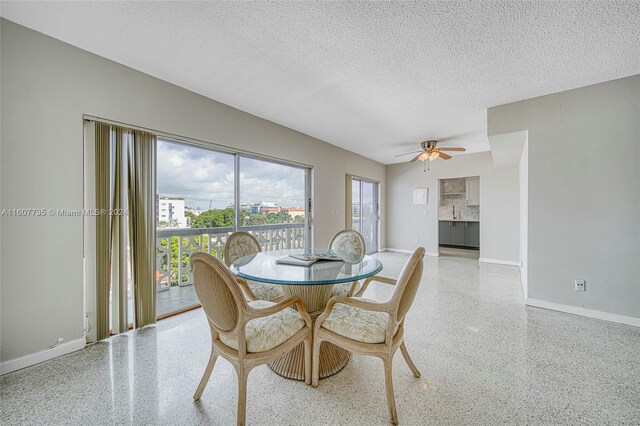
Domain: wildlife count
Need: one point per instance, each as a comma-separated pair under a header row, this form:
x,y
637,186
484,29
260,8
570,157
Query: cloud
x,y
203,177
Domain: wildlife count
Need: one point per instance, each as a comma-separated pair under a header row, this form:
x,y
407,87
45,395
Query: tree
x,y
191,216
254,219
215,218
279,217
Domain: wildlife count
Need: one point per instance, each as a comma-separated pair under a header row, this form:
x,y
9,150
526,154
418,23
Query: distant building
x,y
258,208
170,213
267,210
294,211
243,206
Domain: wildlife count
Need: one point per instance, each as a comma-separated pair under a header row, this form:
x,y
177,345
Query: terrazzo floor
x,y
485,359
458,252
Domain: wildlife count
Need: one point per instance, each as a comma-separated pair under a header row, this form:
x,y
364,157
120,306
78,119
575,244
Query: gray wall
x,y
412,225
584,193
46,88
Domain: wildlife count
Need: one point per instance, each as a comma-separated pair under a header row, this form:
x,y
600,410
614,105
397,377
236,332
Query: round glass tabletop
x,y
262,267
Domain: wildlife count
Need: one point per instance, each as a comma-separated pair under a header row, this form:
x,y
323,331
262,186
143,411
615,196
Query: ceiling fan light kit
x,y
430,152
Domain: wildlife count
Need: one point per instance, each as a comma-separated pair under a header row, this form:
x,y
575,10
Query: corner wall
x,y
46,87
584,195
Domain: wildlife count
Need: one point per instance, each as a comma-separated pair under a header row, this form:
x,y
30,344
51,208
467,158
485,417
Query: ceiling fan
x,y
430,152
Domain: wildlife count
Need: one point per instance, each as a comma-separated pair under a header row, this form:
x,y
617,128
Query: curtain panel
x,y
125,233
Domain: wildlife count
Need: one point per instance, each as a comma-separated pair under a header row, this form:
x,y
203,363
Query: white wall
x,y
524,215
46,87
499,214
410,226
584,194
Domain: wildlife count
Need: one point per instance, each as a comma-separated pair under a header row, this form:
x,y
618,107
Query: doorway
x,y
365,207
459,217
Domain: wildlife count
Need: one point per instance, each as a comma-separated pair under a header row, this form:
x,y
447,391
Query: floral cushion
x,y
242,245
357,324
267,332
266,291
348,246
341,289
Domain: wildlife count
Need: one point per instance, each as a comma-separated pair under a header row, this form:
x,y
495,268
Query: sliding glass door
x,y
195,193
273,202
365,211
204,195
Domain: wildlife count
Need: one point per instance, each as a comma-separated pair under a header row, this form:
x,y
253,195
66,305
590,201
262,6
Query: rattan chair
x,y
241,244
349,245
246,333
372,328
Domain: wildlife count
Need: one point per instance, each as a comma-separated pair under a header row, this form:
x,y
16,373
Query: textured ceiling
x,y
374,78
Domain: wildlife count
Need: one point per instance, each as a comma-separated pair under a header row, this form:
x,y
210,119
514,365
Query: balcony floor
x,y
175,299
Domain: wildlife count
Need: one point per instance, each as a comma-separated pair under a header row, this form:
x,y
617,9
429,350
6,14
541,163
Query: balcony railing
x,y
174,246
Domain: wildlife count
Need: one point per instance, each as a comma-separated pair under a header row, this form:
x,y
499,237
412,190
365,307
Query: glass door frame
x,y
237,171
376,197
308,177
308,196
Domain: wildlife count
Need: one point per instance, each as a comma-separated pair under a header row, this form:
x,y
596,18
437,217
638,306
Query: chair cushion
x,y
348,246
357,324
267,332
266,291
341,289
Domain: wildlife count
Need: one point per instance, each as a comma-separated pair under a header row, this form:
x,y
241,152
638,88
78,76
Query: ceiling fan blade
x,y
414,159
407,153
451,149
444,156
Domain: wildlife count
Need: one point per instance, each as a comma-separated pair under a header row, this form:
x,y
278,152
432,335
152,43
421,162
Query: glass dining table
x,y
314,285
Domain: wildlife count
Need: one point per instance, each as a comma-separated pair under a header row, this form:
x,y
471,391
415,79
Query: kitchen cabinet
x,y
472,234
459,233
444,232
473,191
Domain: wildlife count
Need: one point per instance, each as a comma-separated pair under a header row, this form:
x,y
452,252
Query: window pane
x,y
369,214
195,190
272,203
355,204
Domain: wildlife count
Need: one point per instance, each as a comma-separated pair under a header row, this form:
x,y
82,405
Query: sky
x,y
205,178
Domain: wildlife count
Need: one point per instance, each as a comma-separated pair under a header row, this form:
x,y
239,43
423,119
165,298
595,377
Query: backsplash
x,y
452,194
463,212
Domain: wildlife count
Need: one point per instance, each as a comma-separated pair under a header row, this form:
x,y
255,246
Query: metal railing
x,y
174,246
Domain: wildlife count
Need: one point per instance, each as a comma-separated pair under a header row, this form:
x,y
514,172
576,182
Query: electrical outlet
x,y
580,285
416,240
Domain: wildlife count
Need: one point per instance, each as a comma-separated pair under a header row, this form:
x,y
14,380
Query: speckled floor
x,y
485,359
458,252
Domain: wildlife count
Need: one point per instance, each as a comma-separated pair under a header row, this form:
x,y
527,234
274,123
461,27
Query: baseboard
x,y
499,261
38,357
576,310
396,250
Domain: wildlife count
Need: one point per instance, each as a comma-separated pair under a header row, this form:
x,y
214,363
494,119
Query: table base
x,y
291,365
332,358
